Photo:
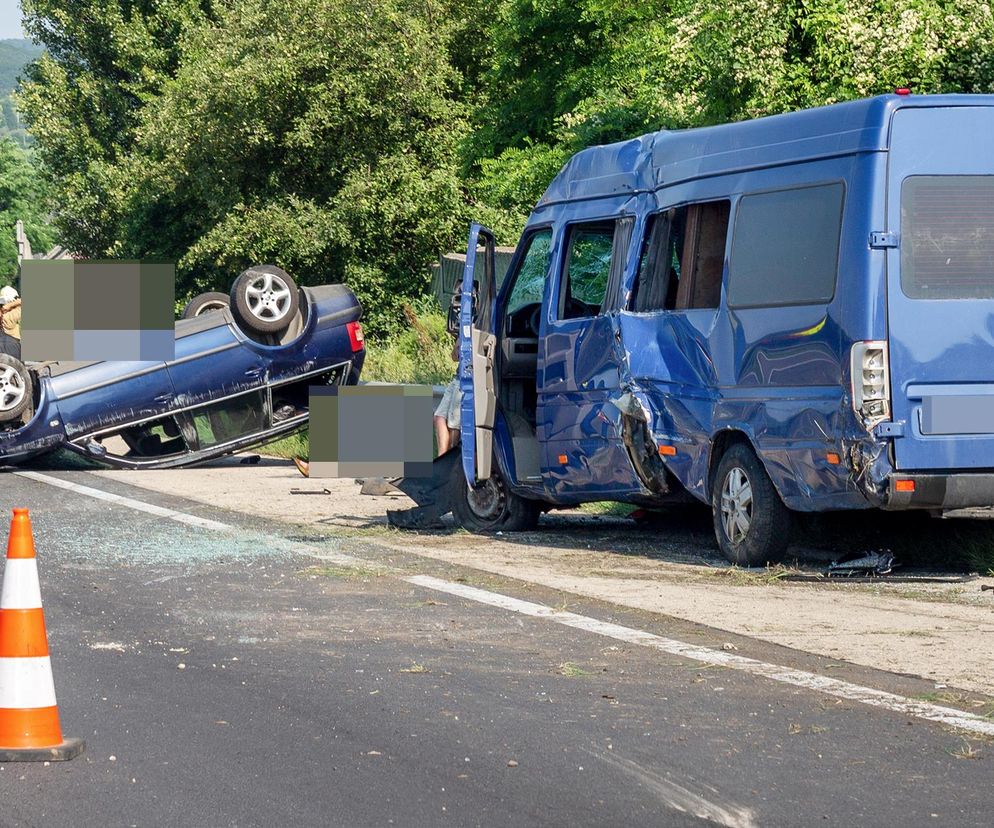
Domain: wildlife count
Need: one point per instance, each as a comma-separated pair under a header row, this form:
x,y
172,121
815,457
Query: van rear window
x,y
947,237
785,248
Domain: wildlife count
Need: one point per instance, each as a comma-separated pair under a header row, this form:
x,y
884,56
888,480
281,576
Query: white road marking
x,y
718,658
137,505
193,520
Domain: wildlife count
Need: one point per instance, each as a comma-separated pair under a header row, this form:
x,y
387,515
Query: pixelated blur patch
x,y
371,431
93,310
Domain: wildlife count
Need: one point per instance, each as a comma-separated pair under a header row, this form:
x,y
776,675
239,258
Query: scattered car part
x,y
866,564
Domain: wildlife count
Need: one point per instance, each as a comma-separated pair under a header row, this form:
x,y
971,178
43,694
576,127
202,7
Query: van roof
x,y
671,156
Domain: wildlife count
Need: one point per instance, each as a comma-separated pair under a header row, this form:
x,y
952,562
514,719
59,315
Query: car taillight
x,y
870,381
356,336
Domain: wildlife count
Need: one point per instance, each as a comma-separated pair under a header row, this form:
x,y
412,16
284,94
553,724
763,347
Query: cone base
x,y
69,749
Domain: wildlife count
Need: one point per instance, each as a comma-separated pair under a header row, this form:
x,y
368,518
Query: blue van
x,y
794,313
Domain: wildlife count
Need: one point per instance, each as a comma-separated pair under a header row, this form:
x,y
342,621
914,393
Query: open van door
x,y
477,345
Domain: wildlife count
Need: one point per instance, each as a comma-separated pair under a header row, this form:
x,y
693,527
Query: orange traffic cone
x,y
29,715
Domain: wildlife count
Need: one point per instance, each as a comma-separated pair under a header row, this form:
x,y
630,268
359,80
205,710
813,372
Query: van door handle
x,y
253,372
164,398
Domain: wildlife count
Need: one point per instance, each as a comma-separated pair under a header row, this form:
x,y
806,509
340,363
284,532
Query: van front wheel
x,y
491,507
751,523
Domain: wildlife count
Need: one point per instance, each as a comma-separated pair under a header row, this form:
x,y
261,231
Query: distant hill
x,y
14,54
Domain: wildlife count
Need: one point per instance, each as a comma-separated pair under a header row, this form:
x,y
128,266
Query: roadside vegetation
x,y
370,133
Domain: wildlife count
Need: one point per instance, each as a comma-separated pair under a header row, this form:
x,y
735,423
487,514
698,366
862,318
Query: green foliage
x,y
320,136
22,196
420,354
630,68
353,140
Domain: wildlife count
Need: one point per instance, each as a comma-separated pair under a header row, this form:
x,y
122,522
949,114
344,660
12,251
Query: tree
x,y
84,97
22,196
661,64
320,135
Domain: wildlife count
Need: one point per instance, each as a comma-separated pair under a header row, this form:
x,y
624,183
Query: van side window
x,y
785,248
683,258
587,268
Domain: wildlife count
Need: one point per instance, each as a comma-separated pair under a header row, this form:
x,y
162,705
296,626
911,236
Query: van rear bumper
x,y
940,491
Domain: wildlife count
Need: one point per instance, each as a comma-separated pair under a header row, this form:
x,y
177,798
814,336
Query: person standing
x,y
10,322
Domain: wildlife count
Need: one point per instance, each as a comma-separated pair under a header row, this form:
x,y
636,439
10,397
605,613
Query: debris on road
x,y
872,564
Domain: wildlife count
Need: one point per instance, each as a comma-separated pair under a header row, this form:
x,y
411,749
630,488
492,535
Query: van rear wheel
x,y
751,523
491,507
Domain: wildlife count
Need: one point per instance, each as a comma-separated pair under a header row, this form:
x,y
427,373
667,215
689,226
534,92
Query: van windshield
x,y
947,237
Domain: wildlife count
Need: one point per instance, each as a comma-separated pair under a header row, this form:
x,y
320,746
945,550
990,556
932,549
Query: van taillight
x,y
870,381
356,336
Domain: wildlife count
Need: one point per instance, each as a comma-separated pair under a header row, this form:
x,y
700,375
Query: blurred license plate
x,y
967,414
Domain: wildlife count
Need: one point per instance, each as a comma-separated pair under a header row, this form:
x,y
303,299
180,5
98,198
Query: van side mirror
x,y
452,317
455,307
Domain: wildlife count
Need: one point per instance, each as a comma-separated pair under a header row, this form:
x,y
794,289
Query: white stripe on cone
x,y
26,682
20,584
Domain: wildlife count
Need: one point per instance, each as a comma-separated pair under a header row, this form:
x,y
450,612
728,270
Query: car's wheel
x,y
265,299
15,388
491,507
750,521
204,303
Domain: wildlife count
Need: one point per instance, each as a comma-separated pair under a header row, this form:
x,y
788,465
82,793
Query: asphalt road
x,y
232,679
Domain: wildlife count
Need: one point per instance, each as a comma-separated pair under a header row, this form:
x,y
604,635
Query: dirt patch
x,y
940,631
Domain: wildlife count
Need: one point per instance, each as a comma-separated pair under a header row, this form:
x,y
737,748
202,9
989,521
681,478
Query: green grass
x,y
418,355
296,445
607,507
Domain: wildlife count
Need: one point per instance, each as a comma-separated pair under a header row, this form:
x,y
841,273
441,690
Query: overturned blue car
x,y
794,313
240,377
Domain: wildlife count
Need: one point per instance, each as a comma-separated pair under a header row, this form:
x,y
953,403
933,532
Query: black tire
x,y
265,299
16,389
767,522
491,507
205,302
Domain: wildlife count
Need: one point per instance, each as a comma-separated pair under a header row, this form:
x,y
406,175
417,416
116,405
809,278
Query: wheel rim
x,y
487,500
12,388
268,297
736,505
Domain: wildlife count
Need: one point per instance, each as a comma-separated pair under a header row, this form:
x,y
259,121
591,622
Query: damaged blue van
x,y
794,313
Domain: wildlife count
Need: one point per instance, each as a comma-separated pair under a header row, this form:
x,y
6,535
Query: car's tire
x,y
204,303
265,299
491,507
16,389
751,523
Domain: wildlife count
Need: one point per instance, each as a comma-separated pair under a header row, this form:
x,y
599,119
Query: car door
x,y
477,347
580,428
214,360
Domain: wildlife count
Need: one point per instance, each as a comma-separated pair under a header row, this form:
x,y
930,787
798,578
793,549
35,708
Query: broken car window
x,y
683,258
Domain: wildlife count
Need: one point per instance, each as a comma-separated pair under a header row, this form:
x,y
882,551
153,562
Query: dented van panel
x,y
812,286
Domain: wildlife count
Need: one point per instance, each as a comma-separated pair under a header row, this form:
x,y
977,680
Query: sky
x,y
10,19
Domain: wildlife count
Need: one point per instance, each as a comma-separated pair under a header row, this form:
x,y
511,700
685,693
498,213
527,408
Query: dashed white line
x,y
719,658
